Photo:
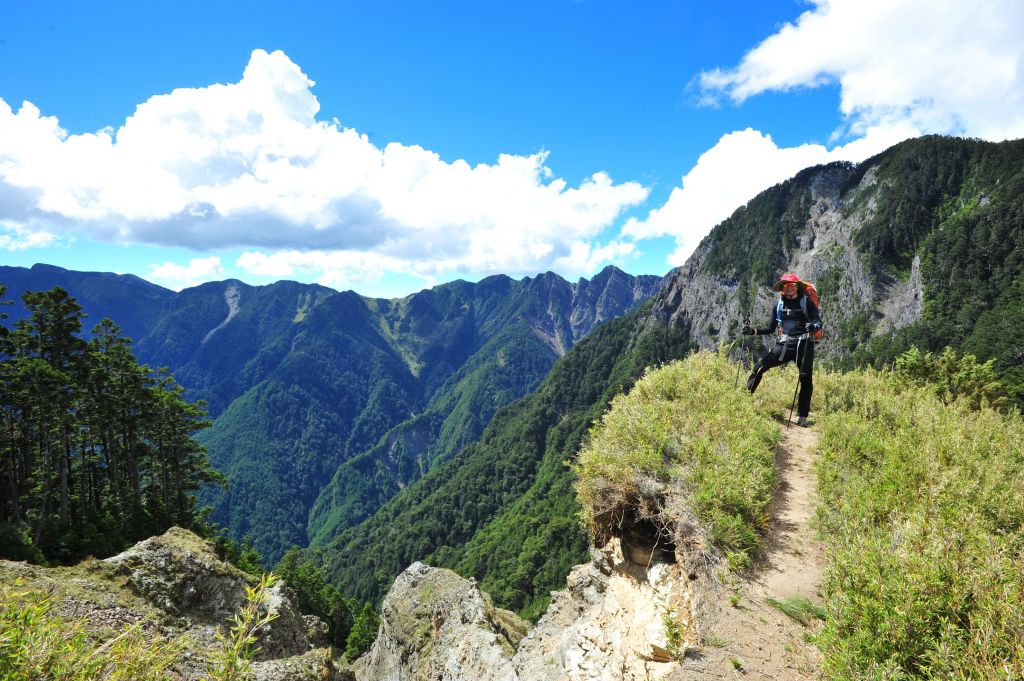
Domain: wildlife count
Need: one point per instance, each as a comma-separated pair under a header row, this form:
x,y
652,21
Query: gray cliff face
x,y
571,311
826,254
437,626
609,294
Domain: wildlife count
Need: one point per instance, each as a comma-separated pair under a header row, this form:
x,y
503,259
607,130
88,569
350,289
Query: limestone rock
x,y
709,304
316,664
437,625
179,573
610,625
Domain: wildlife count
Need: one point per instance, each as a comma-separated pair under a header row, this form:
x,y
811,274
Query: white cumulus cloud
x,y
249,165
943,66
904,68
177,277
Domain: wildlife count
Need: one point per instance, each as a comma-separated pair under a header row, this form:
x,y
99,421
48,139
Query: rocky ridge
x,y
174,586
711,303
632,613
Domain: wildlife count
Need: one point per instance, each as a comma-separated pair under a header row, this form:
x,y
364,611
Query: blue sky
x,y
389,146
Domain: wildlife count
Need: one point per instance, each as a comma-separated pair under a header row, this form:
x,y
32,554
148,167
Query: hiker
x,y
800,321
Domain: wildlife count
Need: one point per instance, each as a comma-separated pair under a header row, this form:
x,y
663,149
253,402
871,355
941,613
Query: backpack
x,y
809,292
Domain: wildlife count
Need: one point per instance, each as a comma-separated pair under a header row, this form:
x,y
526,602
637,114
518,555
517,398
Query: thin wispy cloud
x,y
903,68
14,237
249,165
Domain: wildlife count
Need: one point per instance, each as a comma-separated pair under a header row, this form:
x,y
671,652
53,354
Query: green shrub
x,y
233,660
364,632
952,377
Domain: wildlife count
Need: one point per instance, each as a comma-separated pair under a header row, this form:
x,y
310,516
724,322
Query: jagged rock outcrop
x,y
437,626
180,574
612,622
174,586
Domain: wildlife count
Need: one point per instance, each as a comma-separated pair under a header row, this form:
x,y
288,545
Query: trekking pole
x,y
799,375
738,363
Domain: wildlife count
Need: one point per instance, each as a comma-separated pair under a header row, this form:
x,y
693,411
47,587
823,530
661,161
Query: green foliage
x,y
674,635
952,377
96,451
233,659
916,178
35,644
958,204
364,631
682,427
240,554
506,368
314,596
924,522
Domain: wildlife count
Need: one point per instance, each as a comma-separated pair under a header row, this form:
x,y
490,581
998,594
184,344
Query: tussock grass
x,y
921,501
922,509
684,432
798,608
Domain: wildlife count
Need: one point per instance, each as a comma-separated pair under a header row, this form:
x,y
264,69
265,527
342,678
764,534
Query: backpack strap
x,y
803,306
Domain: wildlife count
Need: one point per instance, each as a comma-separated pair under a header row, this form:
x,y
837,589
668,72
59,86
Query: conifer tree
x,y
364,631
96,451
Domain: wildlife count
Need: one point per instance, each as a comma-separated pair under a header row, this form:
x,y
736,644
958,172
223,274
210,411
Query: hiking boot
x,y
803,422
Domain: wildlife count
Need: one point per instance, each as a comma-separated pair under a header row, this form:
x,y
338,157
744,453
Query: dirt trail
x,y
744,636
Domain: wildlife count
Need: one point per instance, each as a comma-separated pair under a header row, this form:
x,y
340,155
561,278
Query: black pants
x,y
801,351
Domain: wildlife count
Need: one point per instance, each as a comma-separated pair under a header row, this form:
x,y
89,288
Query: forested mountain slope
x,y
503,510
300,378
135,304
922,244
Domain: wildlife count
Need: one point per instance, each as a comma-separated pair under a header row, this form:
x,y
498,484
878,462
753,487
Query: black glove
x,y
815,326
748,330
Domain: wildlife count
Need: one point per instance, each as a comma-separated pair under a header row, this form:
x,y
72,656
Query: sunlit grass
x,y
920,503
923,513
36,644
684,429
799,608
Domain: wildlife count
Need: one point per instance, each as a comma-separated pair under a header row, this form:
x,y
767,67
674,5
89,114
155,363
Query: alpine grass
x,y
922,512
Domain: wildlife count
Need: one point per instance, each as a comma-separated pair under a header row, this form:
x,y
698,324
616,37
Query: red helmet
x,y
787,278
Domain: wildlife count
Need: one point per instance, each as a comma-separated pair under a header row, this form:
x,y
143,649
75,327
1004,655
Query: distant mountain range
x,y
436,427
326,403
